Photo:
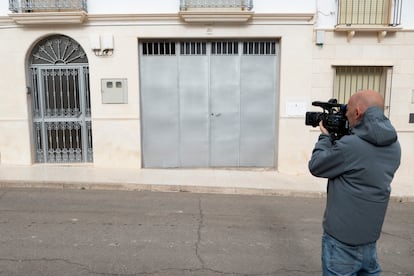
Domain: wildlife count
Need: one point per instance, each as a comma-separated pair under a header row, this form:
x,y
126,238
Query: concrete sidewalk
x,y
253,181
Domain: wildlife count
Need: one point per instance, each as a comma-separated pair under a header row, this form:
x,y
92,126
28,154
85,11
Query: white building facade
x,y
194,84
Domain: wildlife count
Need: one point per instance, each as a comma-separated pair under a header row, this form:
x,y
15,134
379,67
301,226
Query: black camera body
x,y
333,118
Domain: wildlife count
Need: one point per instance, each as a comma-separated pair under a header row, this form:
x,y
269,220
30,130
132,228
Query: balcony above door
x,y
205,11
35,12
380,16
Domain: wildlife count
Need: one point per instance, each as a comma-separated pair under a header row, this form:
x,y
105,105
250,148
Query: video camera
x,y
333,118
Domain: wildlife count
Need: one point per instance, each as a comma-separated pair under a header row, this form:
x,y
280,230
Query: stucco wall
x,y
306,74
116,127
14,126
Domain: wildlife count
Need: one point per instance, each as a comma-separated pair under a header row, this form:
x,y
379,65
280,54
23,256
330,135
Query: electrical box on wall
x,y
114,91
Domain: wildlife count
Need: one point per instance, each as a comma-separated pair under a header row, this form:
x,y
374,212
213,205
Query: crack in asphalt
x,y
84,267
398,236
200,226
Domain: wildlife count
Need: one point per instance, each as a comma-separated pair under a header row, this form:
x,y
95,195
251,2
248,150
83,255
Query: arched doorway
x,y
61,108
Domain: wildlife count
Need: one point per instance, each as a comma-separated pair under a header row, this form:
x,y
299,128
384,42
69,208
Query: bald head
x,y
360,102
367,98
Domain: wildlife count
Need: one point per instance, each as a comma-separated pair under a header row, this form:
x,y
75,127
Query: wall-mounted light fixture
x,y
102,45
320,38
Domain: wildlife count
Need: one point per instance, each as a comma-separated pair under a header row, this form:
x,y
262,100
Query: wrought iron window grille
x,y
369,12
216,4
25,6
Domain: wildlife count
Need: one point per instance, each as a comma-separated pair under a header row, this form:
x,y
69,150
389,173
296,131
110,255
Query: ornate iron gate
x,y
61,106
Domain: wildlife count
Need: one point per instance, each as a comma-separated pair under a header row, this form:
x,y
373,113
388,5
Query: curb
x,y
113,186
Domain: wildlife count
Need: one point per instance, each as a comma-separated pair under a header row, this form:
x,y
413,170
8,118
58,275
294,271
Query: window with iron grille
x,y
369,12
350,79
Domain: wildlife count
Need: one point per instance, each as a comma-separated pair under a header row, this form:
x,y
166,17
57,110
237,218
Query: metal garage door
x,y
208,104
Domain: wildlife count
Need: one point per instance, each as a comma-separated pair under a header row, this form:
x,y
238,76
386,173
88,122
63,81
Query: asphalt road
x,y
84,232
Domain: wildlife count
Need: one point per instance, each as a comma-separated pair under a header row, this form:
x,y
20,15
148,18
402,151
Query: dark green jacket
x,y
359,168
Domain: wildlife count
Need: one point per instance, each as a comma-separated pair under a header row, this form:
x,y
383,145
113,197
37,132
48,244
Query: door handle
x,y
215,114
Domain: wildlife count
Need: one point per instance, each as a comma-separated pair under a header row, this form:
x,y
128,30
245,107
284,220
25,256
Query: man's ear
x,y
358,113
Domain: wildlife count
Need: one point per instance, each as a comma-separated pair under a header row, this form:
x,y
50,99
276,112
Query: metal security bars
x,y
61,114
369,12
216,4
47,5
64,140
193,48
61,106
158,48
259,48
224,48
350,79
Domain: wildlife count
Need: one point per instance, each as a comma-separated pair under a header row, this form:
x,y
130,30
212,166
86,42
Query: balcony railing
x,y
216,4
23,6
369,12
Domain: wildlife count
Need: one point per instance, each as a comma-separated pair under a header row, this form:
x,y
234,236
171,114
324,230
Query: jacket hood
x,y
375,128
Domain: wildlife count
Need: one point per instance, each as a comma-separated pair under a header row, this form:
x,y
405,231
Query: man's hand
x,y
322,128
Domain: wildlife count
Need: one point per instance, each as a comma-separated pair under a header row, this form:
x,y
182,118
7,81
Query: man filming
x,y
359,168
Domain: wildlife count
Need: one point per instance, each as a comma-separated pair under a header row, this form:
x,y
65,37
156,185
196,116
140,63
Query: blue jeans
x,y
340,259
